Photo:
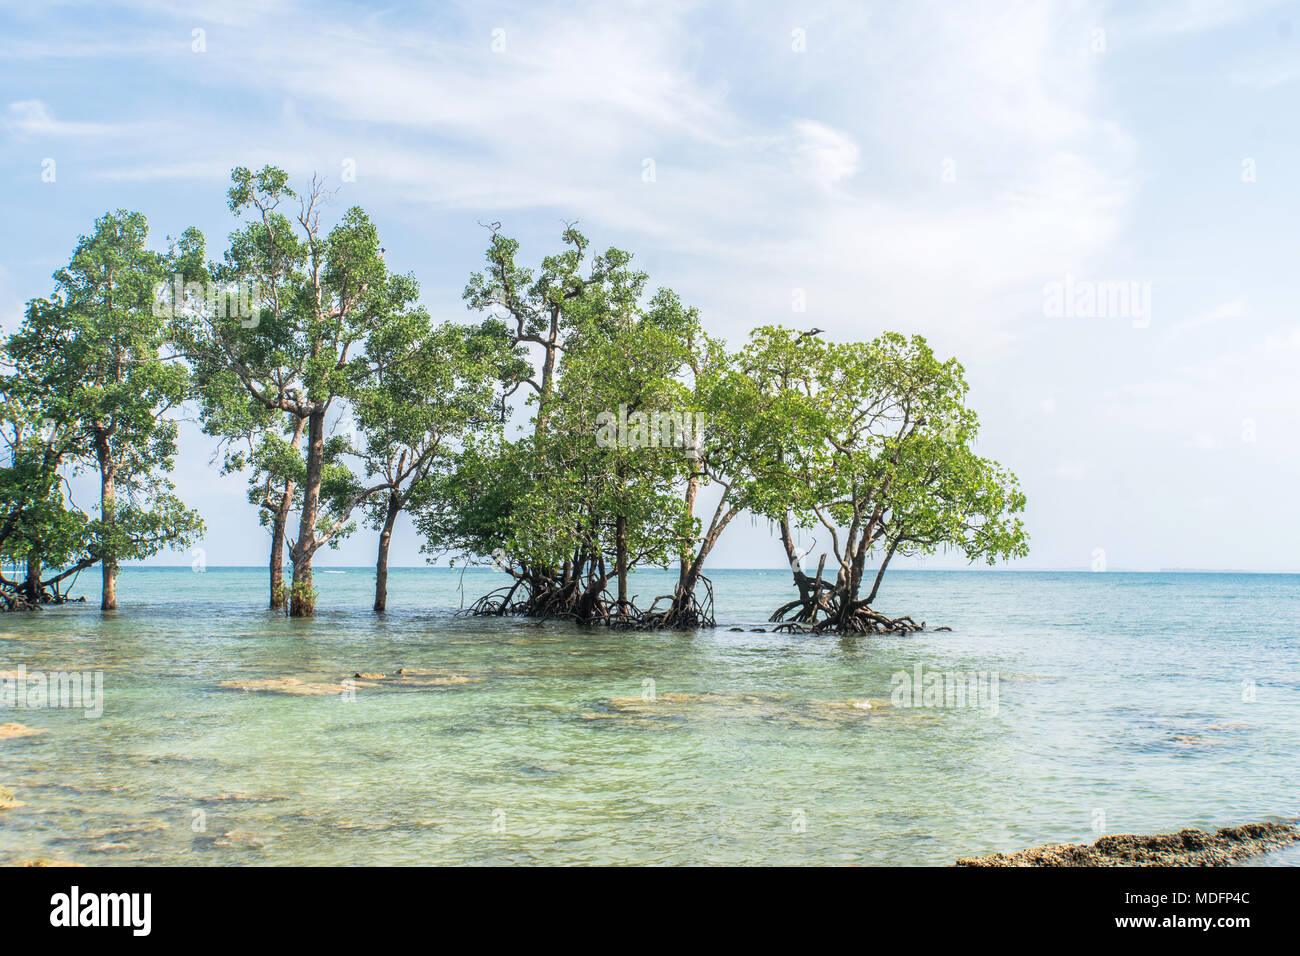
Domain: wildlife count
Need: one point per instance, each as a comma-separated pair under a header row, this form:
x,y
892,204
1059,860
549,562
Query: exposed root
x,y
541,597
685,611
857,618
19,596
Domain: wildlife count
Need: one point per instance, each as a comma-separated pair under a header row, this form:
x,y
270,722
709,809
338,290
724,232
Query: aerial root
x,y
595,606
861,620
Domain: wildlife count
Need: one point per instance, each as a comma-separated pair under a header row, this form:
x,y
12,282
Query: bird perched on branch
x,y
805,335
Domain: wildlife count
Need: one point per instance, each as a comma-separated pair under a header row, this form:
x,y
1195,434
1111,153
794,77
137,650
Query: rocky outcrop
x,y
1185,848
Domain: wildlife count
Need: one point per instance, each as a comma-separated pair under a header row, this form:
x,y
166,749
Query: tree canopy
x,y
581,427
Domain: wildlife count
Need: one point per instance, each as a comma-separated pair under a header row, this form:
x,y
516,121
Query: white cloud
x,y
822,154
820,170
32,118
1230,311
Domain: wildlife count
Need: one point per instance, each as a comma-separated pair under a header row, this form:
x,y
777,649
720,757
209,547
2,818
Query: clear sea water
x,y
1127,703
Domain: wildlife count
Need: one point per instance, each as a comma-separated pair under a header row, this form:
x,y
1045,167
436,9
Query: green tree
x,y
607,499
320,294
38,526
886,468
553,307
264,441
572,510
746,427
427,390
121,382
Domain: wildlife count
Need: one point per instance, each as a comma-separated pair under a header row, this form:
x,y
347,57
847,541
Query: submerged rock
x,y
13,731
289,685
1185,848
44,862
109,835
239,798
449,681
239,840
727,705
402,678
416,677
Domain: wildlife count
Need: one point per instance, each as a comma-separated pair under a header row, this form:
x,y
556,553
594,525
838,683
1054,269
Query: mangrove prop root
x,y
593,604
862,620
17,599
823,610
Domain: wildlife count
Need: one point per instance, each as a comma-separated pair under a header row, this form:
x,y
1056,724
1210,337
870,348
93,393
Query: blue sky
x,y
921,167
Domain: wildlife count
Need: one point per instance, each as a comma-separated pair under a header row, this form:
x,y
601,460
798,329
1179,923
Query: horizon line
x,y
986,570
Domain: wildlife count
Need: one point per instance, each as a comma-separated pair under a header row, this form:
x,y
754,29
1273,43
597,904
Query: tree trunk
x,y
278,528
548,373
277,549
107,513
381,564
802,581
689,567
815,595
302,602
620,568
688,577
32,586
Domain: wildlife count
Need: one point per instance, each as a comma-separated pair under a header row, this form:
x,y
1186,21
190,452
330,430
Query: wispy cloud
x,y
32,118
1193,16
921,166
1230,311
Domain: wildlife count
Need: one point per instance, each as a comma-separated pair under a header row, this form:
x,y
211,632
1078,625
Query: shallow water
x,y
1121,707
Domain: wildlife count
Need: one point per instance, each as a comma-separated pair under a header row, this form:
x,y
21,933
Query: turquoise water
x,y
1120,708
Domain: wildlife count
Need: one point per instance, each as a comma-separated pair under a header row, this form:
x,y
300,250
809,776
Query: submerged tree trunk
x,y
278,527
107,514
686,609
385,539
823,606
302,602
277,550
813,591
620,561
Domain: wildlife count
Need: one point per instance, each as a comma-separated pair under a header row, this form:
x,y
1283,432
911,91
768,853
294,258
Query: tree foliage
x,y
583,427
94,361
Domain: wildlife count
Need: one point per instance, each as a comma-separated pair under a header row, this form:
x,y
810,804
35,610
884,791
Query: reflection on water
x,y
1119,710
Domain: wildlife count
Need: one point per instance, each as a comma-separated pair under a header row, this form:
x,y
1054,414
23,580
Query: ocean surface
x,y
1108,703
